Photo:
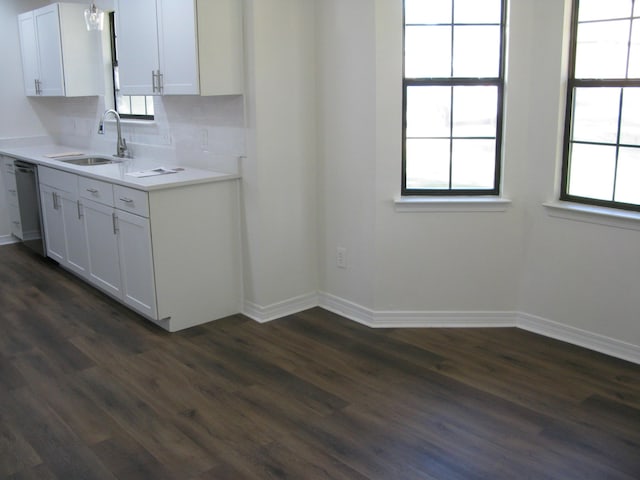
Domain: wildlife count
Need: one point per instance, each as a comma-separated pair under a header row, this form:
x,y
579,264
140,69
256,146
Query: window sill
x,y
131,121
452,204
610,217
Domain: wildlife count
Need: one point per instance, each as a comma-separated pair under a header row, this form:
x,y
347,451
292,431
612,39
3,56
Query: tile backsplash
x,y
203,132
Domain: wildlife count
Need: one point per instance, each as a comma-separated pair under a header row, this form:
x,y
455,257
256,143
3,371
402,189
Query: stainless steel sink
x,y
90,161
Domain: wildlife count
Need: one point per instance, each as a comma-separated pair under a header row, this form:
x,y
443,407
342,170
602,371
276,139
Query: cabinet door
x,y
29,51
178,47
136,263
53,223
47,26
137,33
77,257
102,247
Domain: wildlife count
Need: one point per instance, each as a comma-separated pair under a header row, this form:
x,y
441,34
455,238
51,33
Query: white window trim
x,y
487,203
611,217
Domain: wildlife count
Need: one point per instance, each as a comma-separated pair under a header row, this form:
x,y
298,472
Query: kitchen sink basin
x,y
89,161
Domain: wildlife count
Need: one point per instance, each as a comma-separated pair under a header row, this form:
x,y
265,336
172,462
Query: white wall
x,y
521,262
347,146
399,261
279,186
582,275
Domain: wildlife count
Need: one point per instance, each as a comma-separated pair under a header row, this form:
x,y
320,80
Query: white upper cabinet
x,y
179,47
59,56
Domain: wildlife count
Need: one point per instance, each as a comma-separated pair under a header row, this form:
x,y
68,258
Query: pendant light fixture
x,y
94,17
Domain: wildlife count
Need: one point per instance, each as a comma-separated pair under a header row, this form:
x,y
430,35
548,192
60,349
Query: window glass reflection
x,y
427,164
595,117
474,111
428,111
422,60
476,51
602,49
592,171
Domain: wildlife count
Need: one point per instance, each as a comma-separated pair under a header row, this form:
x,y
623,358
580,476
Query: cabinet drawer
x,y
131,200
67,182
96,190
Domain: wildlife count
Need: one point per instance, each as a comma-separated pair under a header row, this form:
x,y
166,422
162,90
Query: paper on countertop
x,y
65,154
154,171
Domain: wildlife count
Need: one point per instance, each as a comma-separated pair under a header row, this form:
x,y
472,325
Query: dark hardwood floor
x,y
89,390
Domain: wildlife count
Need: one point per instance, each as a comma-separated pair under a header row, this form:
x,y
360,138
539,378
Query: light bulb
x,y
94,18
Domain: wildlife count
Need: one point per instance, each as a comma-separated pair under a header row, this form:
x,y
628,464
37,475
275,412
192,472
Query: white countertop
x,y
117,172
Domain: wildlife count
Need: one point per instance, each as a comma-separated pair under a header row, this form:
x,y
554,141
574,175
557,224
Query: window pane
x,y
124,107
138,105
628,178
427,164
630,128
427,11
150,110
428,111
634,58
595,117
602,49
473,164
475,111
476,51
477,11
603,10
427,52
592,171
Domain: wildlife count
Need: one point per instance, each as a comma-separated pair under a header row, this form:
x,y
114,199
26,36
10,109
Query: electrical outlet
x,y
341,257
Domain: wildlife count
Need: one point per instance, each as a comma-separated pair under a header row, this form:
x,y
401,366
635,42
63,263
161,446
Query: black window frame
x,y
114,69
572,84
498,82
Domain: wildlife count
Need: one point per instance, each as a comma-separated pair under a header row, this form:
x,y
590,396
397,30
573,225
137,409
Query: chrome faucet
x,y
122,143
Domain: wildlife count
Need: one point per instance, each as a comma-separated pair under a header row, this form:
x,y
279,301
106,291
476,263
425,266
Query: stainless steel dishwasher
x,y
29,205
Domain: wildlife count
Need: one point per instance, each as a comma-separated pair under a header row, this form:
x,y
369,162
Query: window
x,y
453,89
128,106
602,135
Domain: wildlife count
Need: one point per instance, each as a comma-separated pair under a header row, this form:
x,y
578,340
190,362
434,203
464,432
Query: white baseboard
x,y
281,309
445,319
415,319
8,239
577,336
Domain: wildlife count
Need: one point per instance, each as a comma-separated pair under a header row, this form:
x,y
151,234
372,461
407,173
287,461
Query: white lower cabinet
x,y
76,246
136,263
63,219
176,269
53,223
102,246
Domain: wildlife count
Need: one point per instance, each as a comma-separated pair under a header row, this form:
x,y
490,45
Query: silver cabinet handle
x,y
160,82
12,192
114,217
92,190
126,200
153,81
55,201
79,210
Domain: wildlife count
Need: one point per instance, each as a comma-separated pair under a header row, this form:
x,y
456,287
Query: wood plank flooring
x,y
89,390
